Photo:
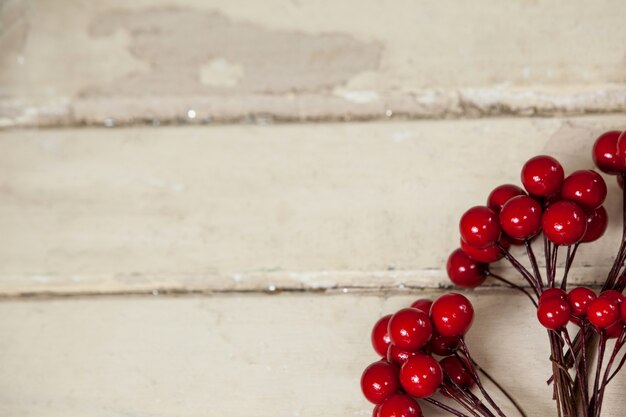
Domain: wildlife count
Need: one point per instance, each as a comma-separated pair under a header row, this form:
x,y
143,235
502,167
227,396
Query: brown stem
x,y
490,400
512,285
445,407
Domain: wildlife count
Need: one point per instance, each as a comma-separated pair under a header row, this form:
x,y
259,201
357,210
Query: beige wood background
x,y
169,246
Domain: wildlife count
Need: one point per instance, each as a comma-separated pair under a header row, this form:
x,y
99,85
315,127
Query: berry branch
x,y
568,211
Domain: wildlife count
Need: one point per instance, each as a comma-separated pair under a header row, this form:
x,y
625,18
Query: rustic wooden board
x,y
286,355
167,61
245,208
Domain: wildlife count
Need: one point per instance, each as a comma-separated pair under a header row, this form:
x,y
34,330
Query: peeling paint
x,y
191,51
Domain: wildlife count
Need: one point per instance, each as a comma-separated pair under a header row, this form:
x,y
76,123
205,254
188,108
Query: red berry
x,y
379,381
452,314
485,255
397,355
480,227
410,329
520,217
457,371
579,299
616,296
552,293
380,335
400,405
623,311
501,194
421,376
443,345
603,312
464,271
605,153
564,223
621,149
615,330
542,176
553,313
585,188
422,304
597,221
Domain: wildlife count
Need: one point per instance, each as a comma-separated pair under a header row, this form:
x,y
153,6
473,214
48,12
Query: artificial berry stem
x,y
512,285
609,365
581,370
533,262
490,400
445,407
571,253
593,406
517,406
522,270
553,261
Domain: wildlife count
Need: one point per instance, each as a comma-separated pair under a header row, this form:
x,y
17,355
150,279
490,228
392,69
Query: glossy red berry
x,y
542,176
616,296
603,312
552,293
480,227
487,255
457,371
501,194
564,223
553,313
452,314
621,148
585,188
623,311
465,272
579,299
520,217
422,304
597,221
614,330
398,356
443,345
410,329
379,381
605,153
380,336
421,376
400,405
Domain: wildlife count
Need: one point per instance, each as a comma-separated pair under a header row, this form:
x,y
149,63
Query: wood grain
x,y
287,355
115,62
242,208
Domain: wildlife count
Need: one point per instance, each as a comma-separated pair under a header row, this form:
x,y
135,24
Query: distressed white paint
x,y
58,67
237,356
321,206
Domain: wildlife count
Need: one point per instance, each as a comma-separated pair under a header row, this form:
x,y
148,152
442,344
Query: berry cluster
x,y
567,211
423,353
423,347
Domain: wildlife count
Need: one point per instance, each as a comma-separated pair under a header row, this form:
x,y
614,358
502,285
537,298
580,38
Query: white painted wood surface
x,y
255,355
114,61
348,219
254,208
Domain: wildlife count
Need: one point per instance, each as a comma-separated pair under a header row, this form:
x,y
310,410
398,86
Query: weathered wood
x,y
115,62
289,355
262,208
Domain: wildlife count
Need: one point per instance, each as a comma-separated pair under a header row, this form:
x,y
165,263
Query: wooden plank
x,y
164,61
289,355
246,208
